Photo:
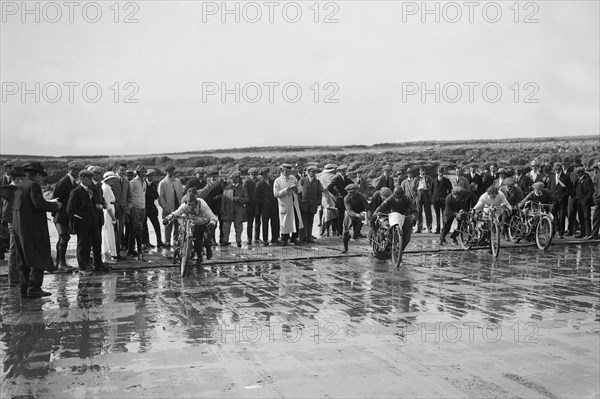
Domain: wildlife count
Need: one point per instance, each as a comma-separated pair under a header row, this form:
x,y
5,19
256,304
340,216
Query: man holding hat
x,y
30,226
312,192
170,192
266,204
83,208
596,216
583,201
62,191
7,194
285,189
355,203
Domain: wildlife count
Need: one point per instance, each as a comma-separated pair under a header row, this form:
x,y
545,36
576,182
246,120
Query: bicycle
x,y
184,243
534,220
386,237
479,228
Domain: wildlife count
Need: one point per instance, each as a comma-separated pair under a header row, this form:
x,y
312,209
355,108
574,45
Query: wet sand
x,y
447,323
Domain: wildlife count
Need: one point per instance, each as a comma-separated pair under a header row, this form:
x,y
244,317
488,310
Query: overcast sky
x,y
366,70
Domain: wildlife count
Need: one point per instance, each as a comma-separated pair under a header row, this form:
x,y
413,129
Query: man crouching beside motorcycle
x,y
204,223
399,202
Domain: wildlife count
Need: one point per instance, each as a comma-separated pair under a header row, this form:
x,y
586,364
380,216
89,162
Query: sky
x,y
150,77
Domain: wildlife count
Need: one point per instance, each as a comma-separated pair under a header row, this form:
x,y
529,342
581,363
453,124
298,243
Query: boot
x,y
138,240
346,240
61,257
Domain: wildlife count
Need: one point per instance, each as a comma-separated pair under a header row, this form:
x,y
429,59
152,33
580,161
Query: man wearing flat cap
x,y
30,226
83,210
312,192
170,192
460,199
62,191
5,179
198,181
233,209
539,195
355,204
285,189
386,179
252,213
338,189
535,174
266,204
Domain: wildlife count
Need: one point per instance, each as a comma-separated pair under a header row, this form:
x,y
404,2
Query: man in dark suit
x,y
476,183
250,184
441,188
267,203
386,179
560,187
583,191
61,219
312,190
522,181
83,210
120,188
30,226
198,181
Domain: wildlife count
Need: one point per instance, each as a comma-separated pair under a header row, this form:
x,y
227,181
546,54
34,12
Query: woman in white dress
x,y
109,247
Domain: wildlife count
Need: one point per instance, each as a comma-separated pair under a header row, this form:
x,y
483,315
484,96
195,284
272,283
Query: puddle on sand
x,y
359,299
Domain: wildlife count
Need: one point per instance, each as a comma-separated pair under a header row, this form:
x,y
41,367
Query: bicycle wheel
x,y
465,235
396,246
186,251
495,239
543,233
515,229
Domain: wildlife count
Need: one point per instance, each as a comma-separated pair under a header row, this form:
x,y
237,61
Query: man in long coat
x,y
285,189
266,204
30,226
252,212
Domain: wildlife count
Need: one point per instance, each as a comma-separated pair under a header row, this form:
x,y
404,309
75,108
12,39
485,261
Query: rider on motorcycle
x,y
539,195
492,198
399,202
204,222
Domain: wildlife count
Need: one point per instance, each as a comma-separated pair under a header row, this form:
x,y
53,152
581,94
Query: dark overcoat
x,y
31,225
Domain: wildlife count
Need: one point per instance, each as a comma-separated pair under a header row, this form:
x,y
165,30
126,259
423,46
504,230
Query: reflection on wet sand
x,y
114,326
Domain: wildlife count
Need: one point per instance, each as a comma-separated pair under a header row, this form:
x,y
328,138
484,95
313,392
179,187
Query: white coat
x,y
288,201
